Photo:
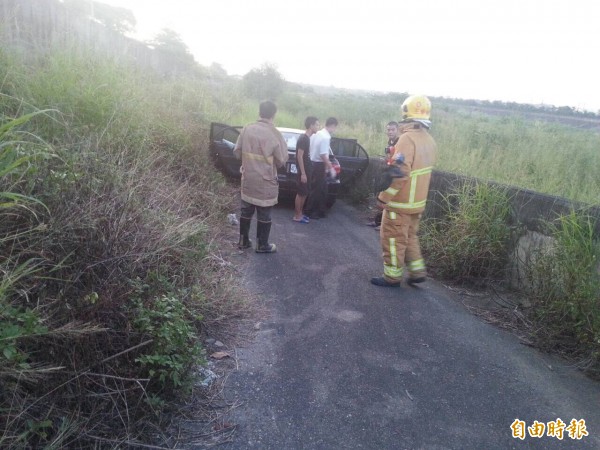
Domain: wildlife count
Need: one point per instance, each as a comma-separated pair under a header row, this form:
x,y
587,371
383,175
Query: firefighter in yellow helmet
x,y
404,201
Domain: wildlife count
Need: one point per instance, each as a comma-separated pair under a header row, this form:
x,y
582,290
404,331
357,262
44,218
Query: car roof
x,y
290,130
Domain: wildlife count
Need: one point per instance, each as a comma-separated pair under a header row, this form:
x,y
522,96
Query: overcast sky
x,y
512,50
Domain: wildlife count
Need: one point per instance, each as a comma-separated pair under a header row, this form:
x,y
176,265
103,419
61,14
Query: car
x,y
348,157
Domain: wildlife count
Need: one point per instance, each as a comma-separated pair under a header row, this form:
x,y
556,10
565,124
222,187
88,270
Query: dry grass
x,y
121,220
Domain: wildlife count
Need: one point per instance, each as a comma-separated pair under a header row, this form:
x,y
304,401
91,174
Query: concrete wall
x,y
529,208
531,211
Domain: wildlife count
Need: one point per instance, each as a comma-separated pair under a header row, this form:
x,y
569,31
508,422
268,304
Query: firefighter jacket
x,y
262,149
415,155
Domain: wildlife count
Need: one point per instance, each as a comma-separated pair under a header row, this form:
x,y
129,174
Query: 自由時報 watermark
x,y
555,428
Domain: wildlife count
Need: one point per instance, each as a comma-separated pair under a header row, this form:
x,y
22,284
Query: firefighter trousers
x,y
400,246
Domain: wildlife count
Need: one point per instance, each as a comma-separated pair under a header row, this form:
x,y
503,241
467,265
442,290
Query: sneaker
x,y
380,281
269,248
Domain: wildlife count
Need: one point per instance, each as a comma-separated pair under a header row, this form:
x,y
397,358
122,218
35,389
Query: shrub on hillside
x,y
264,82
108,277
471,241
564,286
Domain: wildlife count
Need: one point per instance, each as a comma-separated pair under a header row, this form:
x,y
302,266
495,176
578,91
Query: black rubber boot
x,y
245,241
380,281
414,281
263,229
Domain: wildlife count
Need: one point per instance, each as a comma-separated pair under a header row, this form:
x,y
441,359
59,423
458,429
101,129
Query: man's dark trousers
x,y
263,212
318,190
263,225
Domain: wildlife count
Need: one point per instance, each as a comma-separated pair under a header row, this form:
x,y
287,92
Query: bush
x,y
175,347
18,155
264,82
471,241
108,274
564,280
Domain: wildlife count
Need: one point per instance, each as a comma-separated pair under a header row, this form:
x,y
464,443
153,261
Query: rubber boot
x,y
413,281
244,242
263,229
380,281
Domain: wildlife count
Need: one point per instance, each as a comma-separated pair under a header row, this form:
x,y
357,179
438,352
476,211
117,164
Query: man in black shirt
x,y
304,165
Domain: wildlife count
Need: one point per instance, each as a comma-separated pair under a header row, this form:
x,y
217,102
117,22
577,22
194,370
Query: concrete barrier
x,y
529,208
531,212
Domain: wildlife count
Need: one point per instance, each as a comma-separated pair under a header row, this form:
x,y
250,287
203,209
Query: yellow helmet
x,y
416,107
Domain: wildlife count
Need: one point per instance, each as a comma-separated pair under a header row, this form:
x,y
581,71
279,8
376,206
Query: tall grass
x,y
545,157
108,272
550,158
564,284
17,322
470,242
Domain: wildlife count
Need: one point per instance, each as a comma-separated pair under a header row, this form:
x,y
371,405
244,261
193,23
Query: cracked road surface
x,y
344,364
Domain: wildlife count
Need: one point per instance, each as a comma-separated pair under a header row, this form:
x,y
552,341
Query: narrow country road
x,y
344,364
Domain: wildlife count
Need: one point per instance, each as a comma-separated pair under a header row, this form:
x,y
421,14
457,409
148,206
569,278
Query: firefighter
x,y
404,201
262,150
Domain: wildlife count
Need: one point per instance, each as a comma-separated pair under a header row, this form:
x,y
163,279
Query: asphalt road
x,y
344,364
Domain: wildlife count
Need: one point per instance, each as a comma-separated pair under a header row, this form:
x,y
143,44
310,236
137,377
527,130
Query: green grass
x,y
564,285
470,242
545,157
108,206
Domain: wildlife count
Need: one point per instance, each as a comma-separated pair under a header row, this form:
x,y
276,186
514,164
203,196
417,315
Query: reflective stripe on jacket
x,y
262,149
408,195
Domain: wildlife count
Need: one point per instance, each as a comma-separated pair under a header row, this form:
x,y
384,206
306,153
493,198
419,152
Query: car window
x,y
291,140
231,135
344,147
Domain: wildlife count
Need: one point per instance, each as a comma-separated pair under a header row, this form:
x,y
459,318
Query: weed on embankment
x,y
564,287
110,272
470,241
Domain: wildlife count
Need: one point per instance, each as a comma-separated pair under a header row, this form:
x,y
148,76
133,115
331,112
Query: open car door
x,y
352,157
222,142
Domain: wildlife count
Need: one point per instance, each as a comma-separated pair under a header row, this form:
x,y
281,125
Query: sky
x,y
528,51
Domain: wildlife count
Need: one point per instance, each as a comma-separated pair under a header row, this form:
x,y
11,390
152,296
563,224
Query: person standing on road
x,y
321,167
404,201
262,149
303,164
392,134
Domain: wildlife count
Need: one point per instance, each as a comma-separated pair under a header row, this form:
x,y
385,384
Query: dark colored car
x,y
347,156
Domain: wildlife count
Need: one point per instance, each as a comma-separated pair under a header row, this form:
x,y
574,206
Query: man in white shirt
x,y
321,166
